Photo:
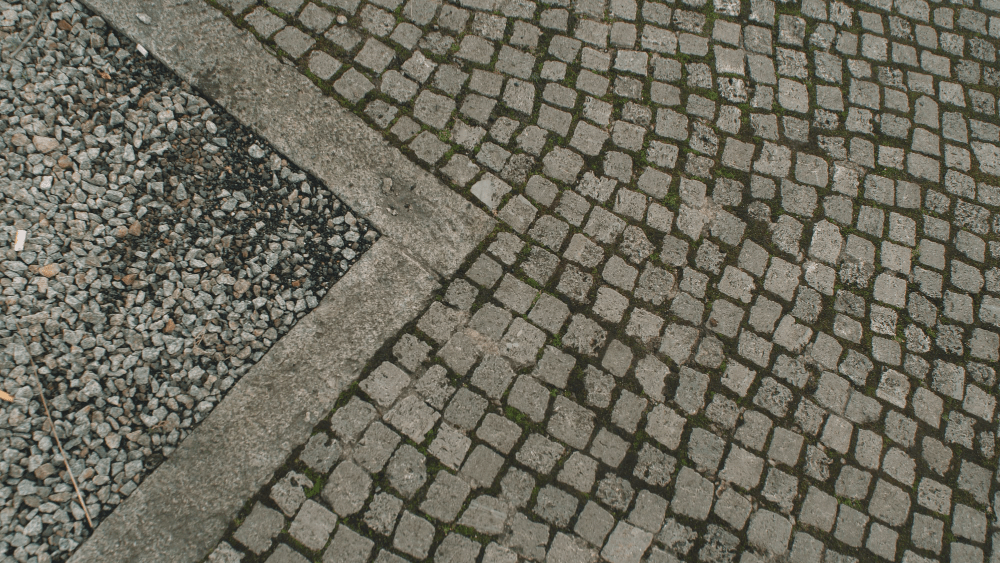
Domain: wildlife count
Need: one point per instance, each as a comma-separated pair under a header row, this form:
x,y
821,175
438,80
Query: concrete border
x,y
182,509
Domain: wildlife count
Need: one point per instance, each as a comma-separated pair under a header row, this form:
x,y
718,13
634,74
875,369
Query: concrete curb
x,y
229,65
181,510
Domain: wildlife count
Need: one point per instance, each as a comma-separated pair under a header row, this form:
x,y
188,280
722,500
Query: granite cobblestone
x,y
746,295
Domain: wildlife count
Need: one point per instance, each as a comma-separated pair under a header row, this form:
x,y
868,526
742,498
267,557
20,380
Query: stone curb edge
x,y
182,509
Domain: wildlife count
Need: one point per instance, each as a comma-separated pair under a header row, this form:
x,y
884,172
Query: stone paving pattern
x,y
744,304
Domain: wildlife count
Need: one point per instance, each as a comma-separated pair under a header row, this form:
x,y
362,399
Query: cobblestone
x,y
831,267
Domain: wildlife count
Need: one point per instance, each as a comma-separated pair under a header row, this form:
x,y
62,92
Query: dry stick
x,y
34,29
52,426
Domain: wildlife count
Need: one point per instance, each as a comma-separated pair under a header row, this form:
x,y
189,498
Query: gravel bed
x,y
167,249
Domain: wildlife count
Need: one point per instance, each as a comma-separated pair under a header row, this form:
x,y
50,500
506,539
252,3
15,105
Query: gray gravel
x,y
167,249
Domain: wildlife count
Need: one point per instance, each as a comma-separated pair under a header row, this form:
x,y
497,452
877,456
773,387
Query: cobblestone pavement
x,y
744,304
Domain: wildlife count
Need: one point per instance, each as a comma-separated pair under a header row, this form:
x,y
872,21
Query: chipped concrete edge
x,y
182,509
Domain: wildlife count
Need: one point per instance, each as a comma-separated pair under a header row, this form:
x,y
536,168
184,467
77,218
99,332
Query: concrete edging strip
x,y
181,510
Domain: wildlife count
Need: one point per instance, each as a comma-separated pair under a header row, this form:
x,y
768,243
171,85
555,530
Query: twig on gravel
x,y
52,427
34,29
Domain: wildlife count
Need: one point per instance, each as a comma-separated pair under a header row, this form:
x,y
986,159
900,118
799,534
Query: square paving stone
x,y
690,395
434,386
323,66
482,466
806,548
522,342
705,450
901,429
965,553
594,523
882,541
773,397
693,495
738,378
348,547
411,352
598,386
571,423
540,453
617,359
375,447
529,397
648,512
819,510
528,538
347,488
445,497
555,506
554,367
487,515
934,496
414,535
465,409
507,247
653,466
579,472
293,42
889,503
376,56
780,488
850,526
515,294
499,432
609,448
676,537
769,532
968,523
785,447
385,383
549,312
407,470
264,22
868,449
615,492
288,493
627,543
259,528
754,348
628,411
584,335
927,533
733,508
493,376
457,549
491,321
742,468
461,352
450,446
900,466
975,480
569,549
383,510
484,272
285,554
321,452
853,483
665,426
678,342
439,322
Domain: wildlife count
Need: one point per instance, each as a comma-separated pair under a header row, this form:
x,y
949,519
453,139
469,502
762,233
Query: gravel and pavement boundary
x,y
182,509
